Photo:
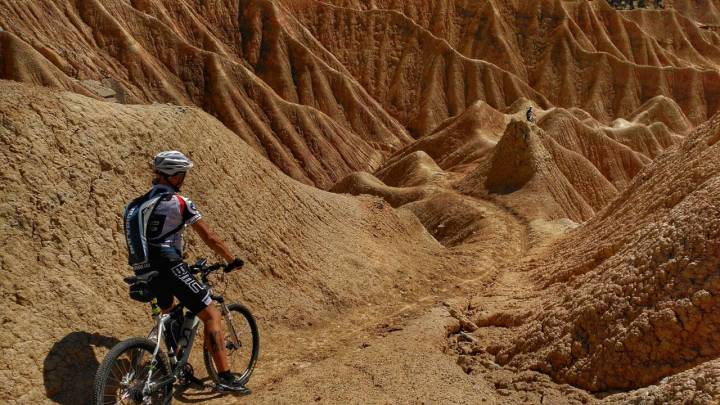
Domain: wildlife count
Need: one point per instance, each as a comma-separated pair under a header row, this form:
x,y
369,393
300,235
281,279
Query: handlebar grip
x,y
235,264
213,267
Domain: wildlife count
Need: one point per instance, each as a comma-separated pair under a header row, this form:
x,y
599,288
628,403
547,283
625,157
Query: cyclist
x,y
164,240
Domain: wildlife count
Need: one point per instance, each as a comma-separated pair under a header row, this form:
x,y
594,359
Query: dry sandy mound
x,y
241,61
414,169
476,229
618,163
650,140
539,178
70,165
516,159
359,183
661,109
451,218
638,298
463,139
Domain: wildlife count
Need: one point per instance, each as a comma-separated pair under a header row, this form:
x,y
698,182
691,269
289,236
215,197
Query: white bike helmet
x,y
171,162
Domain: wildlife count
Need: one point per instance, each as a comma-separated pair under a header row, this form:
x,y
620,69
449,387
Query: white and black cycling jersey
x,y
168,220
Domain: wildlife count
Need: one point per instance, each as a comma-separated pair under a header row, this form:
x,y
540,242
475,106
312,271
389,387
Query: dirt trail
x,y
401,348
322,350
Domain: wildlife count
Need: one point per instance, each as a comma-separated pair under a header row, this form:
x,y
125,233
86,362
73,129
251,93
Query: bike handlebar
x,y
205,269
201,266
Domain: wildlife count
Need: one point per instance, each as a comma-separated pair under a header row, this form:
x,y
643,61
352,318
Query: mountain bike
x,y
138,371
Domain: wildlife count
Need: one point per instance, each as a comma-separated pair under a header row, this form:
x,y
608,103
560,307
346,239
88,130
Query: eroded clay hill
x,y
575,54
480,258
636,288
571,162
240,61
304,83
707,13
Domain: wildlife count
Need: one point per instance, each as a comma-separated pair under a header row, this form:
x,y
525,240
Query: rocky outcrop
x,y
536,176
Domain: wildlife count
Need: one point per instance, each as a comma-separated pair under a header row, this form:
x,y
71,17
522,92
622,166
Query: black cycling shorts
x,y
175,280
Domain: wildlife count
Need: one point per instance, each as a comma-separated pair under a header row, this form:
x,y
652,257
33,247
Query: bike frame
x,y
160,326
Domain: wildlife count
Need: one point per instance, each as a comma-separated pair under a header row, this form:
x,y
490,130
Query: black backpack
x,y
136,217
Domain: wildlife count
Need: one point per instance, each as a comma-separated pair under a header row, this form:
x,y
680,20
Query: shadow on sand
x,y
70,366
69,369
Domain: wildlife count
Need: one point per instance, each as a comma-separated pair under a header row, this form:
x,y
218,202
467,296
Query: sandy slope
x,y
633,291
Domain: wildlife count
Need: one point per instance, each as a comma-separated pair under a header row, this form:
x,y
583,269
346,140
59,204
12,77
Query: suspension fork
x,y
162,319
231,326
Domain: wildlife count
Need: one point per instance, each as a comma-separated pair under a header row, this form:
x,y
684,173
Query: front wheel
x,y
122,377
242,343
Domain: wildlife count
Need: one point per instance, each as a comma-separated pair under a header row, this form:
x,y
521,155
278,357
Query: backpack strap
x,y
177,228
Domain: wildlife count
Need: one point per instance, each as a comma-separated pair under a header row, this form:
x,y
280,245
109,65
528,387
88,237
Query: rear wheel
x,y
123,375
243,352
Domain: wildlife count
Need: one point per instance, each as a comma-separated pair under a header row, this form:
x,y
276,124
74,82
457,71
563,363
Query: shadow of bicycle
x,y
70,366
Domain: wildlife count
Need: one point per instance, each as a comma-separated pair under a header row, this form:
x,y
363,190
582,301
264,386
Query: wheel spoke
x,y
117,366
114,379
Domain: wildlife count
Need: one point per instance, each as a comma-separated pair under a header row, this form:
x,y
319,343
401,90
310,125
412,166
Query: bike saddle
x,y
143,278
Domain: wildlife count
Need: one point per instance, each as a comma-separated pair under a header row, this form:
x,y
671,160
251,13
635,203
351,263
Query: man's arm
x,y
212,240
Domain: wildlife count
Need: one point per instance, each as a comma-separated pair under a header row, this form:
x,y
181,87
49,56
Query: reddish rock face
x,y
240,61
305,84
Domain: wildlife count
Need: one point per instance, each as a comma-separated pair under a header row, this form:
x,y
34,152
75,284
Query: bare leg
x,y
214,339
